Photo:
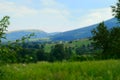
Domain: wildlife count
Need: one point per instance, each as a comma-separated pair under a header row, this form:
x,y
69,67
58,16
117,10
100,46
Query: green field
x,y
88,70
74,43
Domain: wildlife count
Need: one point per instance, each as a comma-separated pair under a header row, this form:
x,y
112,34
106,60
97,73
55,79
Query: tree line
x,y
106,41
18,52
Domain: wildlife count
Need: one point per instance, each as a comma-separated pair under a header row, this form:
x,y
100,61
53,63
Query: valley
x,y
80,46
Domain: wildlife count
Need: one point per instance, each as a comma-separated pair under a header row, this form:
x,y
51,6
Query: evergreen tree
x,y
115,42
58,53
116,10
101,37
3,27
41,55
107,40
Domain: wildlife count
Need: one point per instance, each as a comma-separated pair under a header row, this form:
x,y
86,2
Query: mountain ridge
x,y
84,32
79,33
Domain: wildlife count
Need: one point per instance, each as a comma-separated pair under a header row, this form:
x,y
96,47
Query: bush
x,y
7,55
82,58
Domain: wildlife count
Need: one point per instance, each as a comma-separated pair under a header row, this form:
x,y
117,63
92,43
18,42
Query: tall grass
x,y
88,70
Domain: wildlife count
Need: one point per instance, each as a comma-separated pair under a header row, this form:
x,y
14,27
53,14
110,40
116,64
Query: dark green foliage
x,y
104,39
69,52
13,51
115,42
58,52
101,37
107,40
116,10
3,27
41,54
81,50
82,58
7,55
26,56
84,49
21,51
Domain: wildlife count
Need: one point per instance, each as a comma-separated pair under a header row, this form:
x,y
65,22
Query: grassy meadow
x,y
74,43
86,70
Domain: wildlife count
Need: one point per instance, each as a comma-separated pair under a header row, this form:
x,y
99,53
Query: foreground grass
x,y
88,70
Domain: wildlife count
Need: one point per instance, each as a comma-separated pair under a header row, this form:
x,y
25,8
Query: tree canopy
x,y
116,10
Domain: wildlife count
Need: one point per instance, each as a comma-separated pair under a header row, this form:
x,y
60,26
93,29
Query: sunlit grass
x,y
88,70
74,44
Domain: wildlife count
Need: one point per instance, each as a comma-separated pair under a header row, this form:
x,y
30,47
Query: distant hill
x,y
82,32
19,34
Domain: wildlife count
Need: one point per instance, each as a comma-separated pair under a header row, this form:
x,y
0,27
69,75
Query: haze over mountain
x,y
19,34
82,32
65,36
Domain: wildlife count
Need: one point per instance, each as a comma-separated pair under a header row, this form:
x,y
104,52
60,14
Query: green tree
x,y
107,40
41,54
26,55
116,10
7,55
101,37
115,32
14,51
115,42
58,53
3,27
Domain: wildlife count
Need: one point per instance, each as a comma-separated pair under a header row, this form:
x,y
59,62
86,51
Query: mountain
x,y
82,32
18,34
54,33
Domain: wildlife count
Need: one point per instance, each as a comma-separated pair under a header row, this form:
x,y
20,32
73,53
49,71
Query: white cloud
x,y
95,16
48,3
52,16
54,19
46,18
15,10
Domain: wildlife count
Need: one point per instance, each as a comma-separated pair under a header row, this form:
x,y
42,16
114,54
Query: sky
x,y
55,15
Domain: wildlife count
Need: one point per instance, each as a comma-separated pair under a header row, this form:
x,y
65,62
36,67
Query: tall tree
x,y
3,27
41,55
107,40
6,55
116,10
115,42
58,52
101,37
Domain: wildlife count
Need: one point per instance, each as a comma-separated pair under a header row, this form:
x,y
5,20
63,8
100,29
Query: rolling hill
x,y
82,32
19,34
